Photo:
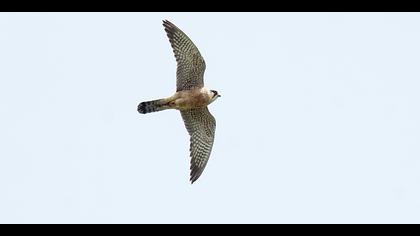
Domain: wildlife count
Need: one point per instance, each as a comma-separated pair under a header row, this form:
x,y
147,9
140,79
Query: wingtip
x,y
193,179
168,27
194,175
166,22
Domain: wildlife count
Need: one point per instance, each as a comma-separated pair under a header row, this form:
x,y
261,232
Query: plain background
x,y
318,120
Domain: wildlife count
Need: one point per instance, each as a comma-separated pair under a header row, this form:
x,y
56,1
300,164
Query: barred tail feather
x,y
152,106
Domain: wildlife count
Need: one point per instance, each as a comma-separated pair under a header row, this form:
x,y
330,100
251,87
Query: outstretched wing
x,y
201,126
190,64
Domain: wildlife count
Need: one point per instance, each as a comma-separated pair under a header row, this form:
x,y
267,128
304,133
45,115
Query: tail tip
x,y
141,108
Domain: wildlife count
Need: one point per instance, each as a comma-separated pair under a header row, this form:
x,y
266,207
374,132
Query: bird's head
x,y
215,95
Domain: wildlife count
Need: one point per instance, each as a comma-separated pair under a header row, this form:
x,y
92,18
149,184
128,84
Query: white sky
x,y
319,119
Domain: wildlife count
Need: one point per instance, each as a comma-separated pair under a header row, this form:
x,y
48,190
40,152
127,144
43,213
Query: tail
x,y
152,106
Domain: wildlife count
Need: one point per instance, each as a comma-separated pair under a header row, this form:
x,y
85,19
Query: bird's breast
x,y
190,99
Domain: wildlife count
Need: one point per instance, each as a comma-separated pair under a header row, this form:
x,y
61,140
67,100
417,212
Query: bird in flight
x,y
191,99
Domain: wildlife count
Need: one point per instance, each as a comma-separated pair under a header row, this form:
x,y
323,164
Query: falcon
x,y
191,99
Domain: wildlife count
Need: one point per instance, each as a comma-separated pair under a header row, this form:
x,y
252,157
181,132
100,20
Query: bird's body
x,y
181,100
191,99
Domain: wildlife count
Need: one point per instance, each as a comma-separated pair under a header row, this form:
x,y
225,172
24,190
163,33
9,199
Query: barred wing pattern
x,y
190,64
201,126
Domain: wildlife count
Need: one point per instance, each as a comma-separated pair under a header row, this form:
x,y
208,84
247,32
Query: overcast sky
x,y
319,119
